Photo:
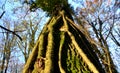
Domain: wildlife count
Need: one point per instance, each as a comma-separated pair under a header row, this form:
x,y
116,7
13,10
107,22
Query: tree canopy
x,y
50,6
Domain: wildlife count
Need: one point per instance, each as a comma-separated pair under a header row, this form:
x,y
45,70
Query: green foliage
x,y
49,5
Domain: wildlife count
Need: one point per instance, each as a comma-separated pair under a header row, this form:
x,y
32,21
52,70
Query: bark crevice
x,y
62,48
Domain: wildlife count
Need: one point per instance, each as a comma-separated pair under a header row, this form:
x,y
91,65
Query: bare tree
x,y
9,43
101,16
28,38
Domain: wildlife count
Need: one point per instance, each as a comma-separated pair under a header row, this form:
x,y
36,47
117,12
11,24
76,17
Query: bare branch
x,y
2,14
115,40
11,32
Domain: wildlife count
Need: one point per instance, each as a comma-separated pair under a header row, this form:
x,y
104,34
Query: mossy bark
x,y
62,48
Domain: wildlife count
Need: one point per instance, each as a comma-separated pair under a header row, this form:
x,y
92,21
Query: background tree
x,y
28,38
7,48
19,18
8,37
102,17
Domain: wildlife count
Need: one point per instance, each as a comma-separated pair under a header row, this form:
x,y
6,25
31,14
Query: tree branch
x,y
11,32
2,14
8,29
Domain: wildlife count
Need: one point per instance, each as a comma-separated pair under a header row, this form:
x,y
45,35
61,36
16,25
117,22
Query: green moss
x,y
50,6
58,48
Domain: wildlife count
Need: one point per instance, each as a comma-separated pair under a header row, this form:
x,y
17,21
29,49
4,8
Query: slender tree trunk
x,y
62,48
7,60
3,63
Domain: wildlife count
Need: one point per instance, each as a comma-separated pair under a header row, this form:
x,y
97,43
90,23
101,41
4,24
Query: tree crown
x,y
49,5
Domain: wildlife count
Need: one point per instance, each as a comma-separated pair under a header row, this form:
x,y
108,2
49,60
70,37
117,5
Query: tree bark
x,y
62,48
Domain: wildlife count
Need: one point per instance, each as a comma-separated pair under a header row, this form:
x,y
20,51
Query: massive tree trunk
x,y
62,48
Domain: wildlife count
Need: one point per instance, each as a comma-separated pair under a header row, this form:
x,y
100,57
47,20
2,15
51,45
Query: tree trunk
x,y
3,63
62,48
